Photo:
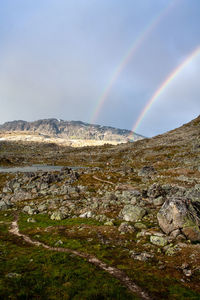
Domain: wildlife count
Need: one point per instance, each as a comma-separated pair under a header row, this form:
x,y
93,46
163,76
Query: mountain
x,y
69,131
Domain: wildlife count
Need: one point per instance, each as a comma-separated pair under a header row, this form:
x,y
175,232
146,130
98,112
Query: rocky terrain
x,y
70,133
132,210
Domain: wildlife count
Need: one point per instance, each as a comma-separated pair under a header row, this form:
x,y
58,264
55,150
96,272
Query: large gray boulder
x,y
180,213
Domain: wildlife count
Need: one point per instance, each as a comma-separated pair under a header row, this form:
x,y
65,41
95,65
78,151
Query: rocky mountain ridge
x,y
70,130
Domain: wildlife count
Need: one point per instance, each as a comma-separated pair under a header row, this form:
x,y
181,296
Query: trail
x,y
117,186
106,181
120,275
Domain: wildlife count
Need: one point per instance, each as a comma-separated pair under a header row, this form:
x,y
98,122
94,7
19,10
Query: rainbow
x,y
127,57
164,85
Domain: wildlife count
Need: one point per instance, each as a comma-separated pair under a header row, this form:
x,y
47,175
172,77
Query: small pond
x,y
33,168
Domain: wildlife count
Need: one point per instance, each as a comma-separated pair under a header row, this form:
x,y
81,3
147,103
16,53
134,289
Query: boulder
x,y
158,240
132,213
180,213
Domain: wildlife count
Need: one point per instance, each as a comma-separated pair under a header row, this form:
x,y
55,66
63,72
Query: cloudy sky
x,y
100,61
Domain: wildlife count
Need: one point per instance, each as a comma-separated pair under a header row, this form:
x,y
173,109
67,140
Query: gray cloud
x,y
57,58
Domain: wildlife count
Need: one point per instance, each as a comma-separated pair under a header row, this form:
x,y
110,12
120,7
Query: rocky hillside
x,y
71,130
132,210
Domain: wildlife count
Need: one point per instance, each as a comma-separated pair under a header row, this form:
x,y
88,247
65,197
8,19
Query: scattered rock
x,y
158,201
140,226
109,223
27,209
42,207
187,272
4,205
58,243
155,191
13,275
158,240
132,213
87,214
31,220
144,256
58,216
147,170
126,228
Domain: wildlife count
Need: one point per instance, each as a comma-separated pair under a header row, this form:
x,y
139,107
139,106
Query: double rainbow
x,y
164,85
128,56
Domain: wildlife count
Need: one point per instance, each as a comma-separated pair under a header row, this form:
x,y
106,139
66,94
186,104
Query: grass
x,y
159,283
43,221
28,272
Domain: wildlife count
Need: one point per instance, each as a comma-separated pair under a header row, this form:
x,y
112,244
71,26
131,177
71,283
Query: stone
x,y
44,186
147,170
7,190
187,272
155,191
192,233
140,226
158,201
58,216
4,205
109,223
87,214
180,238
132,213
27,209
31,220
126,228
13,275
58,243
16,185
158,240
42,207
144,256
171,251
180,213
101,218
175,233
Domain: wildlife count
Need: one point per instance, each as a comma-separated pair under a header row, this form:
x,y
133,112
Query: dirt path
x,y
117,186
106,181
120,275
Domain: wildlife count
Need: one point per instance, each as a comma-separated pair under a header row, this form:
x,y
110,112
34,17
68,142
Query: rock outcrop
x,y
182,214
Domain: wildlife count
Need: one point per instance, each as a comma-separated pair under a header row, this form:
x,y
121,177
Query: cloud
x,y
57,58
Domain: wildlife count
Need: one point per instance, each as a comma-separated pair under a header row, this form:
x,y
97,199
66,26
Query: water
x,y
33,168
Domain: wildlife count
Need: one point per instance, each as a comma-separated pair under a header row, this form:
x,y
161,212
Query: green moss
x,y
178,292
43,220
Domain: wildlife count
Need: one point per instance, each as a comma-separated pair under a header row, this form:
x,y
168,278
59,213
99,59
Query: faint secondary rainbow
x,y
164,85
132,50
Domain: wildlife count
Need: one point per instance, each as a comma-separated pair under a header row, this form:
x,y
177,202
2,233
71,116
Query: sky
x,y
101,62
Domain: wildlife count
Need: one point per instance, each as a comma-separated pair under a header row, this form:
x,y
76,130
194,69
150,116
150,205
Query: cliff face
x,y
71,130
